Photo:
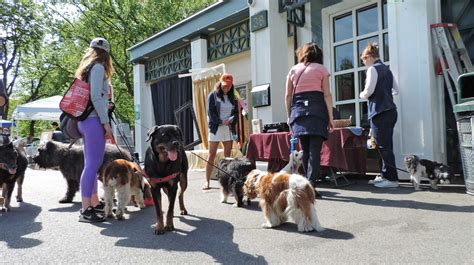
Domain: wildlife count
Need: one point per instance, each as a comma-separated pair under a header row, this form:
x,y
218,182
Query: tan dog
x,y
125,178
283,196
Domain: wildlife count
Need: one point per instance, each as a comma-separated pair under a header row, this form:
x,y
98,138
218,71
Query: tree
x,y
44,42
123,23
20,26
40,76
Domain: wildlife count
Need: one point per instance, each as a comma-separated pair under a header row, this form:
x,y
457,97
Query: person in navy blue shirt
x,y
380,86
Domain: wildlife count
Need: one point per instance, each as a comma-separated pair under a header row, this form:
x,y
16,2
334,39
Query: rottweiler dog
x,y
166,165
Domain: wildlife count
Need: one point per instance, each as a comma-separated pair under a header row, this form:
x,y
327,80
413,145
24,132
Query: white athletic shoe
x,y
386,184
377,179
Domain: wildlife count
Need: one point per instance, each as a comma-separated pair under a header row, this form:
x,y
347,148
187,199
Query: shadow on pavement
x,y
19,222
405,187
399,203
327,234
210,236
68,208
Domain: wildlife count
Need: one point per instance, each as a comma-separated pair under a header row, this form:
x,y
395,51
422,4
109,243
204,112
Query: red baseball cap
x,y
227,79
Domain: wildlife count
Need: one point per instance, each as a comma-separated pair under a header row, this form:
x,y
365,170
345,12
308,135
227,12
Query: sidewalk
x,y
364,225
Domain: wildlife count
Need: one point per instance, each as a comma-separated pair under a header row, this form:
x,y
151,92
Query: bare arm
x,y
328,100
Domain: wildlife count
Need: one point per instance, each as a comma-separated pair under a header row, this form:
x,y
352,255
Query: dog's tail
x,y
301,210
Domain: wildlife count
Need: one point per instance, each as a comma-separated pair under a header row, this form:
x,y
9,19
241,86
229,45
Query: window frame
x,y
356,102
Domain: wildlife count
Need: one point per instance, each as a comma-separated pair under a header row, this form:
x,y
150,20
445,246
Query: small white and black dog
x,y
232,182
296,160
434,171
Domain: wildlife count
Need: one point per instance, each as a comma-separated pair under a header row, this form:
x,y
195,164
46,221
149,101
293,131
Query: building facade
x,y
256,41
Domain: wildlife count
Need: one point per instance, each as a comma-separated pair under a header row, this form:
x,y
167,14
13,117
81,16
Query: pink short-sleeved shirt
x,y
310,80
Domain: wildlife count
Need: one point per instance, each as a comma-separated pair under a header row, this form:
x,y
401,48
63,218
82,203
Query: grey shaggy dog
x,y
233,178
70,161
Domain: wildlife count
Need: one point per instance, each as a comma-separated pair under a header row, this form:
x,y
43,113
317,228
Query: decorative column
x,y
421,123
199,53
144,118
198,60
269,60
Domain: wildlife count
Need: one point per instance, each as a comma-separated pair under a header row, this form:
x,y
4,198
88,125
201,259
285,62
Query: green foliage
x,y
52,37
21,29
123,23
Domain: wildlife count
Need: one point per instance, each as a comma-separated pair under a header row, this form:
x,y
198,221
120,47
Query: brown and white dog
x,y
125,178
284,196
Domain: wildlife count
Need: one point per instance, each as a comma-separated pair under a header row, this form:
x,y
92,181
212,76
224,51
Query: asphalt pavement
x,y
364,225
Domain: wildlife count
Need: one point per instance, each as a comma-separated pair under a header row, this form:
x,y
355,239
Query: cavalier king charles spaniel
x,y
284,196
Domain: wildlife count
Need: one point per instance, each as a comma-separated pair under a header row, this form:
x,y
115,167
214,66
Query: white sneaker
x,y
386,184
377,179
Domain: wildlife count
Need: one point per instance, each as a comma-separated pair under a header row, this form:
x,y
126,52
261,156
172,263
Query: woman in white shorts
x,y
222,117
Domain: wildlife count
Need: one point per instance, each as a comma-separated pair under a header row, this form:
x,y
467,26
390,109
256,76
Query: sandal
x,y
206,187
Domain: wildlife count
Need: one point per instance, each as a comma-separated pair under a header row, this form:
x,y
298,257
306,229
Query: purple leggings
x,y
94,149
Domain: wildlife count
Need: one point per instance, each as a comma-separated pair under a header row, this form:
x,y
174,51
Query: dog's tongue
x,y
12,171
172,155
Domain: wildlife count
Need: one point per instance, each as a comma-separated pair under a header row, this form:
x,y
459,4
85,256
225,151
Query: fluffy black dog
x,y
70,161
13,165
233,178
434,171
166,165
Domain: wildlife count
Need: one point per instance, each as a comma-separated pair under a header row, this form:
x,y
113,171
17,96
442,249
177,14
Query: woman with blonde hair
x,y
95,68
380,86
309,106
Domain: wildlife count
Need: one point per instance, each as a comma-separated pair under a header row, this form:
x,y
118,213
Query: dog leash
x,y
221,170
136,161
392,166
293,141
127,144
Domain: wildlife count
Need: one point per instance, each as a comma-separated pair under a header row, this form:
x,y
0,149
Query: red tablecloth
x,y
342,150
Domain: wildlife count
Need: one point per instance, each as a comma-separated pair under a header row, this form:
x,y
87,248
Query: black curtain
x,y
168,95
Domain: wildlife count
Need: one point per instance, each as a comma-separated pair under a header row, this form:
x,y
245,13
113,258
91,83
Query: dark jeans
x,y
382,129
311,145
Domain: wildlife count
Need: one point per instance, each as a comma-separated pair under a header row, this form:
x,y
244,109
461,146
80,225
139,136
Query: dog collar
x,y
159,180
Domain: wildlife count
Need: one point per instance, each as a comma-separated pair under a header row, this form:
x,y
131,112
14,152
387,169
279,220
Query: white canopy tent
x,y
46,109
5,123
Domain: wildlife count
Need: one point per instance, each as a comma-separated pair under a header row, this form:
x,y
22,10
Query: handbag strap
x,y
297,80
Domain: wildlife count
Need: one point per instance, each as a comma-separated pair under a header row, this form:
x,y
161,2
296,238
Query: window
x,y
351,31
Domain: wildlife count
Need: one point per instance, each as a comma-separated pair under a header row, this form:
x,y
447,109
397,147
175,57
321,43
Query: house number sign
x,y
259,21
